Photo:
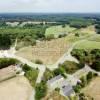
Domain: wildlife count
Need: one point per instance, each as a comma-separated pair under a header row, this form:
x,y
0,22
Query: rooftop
x,y
54,79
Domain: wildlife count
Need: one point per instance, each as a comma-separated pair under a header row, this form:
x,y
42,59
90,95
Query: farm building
x,y
59,82
55,82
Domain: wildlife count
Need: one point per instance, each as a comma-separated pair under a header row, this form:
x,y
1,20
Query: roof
x,y
67,90
54,79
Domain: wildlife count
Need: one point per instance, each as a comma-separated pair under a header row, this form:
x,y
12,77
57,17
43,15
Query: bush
x,y
49,37
38,61
89,76
96,65
70,67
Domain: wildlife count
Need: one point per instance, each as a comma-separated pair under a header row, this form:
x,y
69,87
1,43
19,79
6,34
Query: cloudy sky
x,y
49,6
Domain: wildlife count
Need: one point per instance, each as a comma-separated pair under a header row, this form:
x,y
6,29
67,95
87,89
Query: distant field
x,y
17,88
59,30
88,45
93,89
84,31
95,37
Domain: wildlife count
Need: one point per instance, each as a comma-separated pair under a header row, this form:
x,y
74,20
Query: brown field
x,y
93,90
54,96
17,88
47,51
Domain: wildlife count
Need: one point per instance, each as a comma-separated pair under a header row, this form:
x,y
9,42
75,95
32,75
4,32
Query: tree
x,y
41,90
5,41
96,65
89,76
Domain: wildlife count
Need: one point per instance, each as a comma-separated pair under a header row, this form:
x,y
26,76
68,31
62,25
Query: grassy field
x,y
93,89
17,88
88,45
59,30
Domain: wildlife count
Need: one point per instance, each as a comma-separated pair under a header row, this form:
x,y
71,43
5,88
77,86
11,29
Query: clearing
x,y
17,88
93,89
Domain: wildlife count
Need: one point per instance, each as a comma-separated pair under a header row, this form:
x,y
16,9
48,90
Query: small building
x,y
55,82
67,90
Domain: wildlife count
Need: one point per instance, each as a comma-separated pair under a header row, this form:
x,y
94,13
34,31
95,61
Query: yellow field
x,y
93,89
17,88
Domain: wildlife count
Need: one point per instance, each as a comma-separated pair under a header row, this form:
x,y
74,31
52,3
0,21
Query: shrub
x,y
38,61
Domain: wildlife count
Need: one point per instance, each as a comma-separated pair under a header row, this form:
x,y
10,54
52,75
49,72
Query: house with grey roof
x,y
67,90
59,82
55,82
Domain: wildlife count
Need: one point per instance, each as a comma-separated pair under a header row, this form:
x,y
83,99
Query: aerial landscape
x,y
48,52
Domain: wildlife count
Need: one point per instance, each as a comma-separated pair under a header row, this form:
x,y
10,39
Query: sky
x,y
50,6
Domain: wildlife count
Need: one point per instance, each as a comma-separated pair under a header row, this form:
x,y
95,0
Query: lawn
x,y
58,30
88,45
93,89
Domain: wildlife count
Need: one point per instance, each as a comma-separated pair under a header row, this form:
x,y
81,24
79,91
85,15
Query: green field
x,y
95,37
88,45
58,30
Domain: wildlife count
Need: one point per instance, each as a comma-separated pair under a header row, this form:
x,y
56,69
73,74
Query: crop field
x,y
17,88
93,89
59,30
88,45
46,51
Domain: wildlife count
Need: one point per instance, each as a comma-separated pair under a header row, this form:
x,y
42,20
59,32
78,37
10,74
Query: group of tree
x,y
80,22
31,74
97,25
5,62
41,90
91,57
5,41
70,67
